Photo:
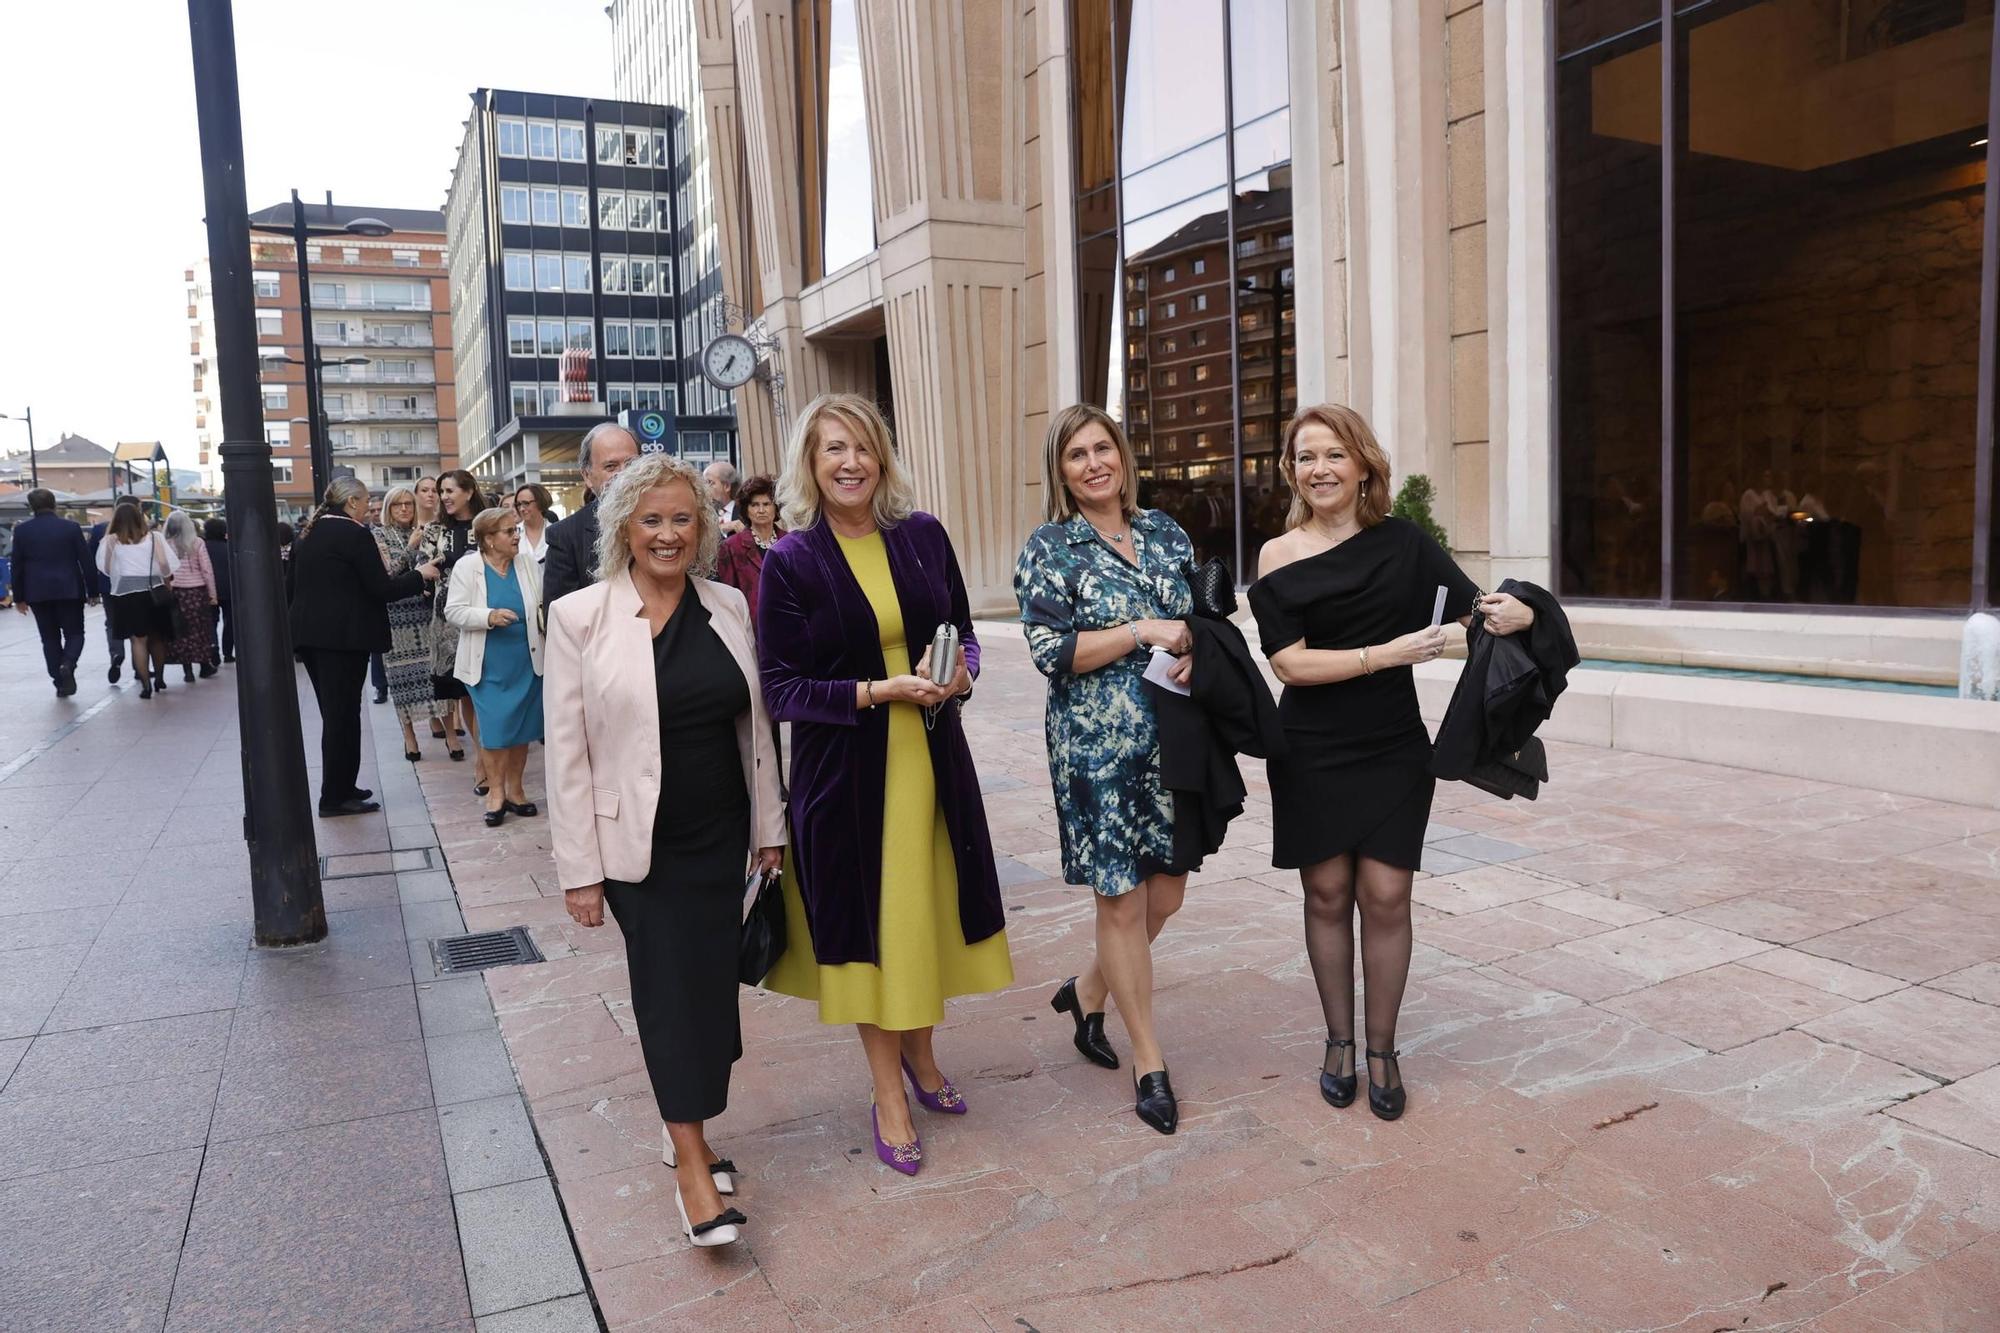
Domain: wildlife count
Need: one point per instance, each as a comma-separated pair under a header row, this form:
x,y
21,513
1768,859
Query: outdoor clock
x,y
729,361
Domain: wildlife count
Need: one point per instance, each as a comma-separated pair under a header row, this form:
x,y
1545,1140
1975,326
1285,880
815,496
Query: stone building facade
x,y
1689,327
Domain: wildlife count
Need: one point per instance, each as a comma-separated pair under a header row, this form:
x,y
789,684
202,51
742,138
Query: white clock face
x,y
729,361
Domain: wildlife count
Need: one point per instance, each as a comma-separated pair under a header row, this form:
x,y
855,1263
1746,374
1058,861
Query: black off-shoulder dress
x,y
1357,778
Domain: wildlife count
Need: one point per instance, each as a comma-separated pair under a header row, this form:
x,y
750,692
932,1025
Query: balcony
x,y
377,449
394,335
350,301
378,375
360,412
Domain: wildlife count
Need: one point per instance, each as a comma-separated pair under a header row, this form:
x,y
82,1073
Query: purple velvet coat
x,y
817,639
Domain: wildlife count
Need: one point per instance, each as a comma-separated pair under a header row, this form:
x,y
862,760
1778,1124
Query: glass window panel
x,y
575,208
644,276
849,176
1173,80
521,337
620,398
548,273
513,203
611,273
1607,220
524,400
611,209
552,337
546,208
659,148
645,339
542,140
640,212
617,338
1827,294
610,144
1579,23
513,135
580,335
551,394
569,140
520,268
576,273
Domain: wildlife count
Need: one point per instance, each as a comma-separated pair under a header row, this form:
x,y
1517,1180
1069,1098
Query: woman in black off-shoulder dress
x,y
1344,604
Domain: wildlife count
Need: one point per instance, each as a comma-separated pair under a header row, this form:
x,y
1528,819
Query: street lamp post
x,y
321,449
277,825
34,471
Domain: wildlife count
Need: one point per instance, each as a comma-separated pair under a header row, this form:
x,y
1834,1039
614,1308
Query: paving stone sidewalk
x,y
1687,1047
196,1134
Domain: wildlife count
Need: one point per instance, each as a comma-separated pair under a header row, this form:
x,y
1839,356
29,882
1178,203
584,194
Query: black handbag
x,y
1521,773
1213,586
762,941
162,592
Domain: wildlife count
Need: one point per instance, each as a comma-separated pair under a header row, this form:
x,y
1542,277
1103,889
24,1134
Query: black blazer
x,y
52,561
1508,687
100,586
1229,712
572,555
340,591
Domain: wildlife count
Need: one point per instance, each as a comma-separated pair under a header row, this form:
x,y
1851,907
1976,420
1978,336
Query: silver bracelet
x,y
1137,642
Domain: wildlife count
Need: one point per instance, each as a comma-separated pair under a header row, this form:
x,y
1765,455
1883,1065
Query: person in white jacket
x,y
500,656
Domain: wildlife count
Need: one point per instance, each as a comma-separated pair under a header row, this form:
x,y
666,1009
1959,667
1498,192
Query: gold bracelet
x,y
869,686
1366,670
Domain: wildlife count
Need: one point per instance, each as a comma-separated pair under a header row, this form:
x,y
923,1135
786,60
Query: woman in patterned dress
x,y
194,596
408,661
1100,585
446,542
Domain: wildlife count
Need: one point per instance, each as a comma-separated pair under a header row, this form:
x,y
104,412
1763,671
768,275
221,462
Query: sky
x,y
101,210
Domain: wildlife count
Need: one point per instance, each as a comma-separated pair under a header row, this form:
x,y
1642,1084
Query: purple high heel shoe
x,y
905,1157
947,1100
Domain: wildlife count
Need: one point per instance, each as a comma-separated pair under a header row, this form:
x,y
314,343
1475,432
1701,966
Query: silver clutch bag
x,y
944,654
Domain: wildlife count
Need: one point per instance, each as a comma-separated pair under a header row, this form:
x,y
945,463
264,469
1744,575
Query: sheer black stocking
x,y
1384,894
1329,887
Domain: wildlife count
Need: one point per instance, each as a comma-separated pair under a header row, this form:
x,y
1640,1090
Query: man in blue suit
x,y
52,577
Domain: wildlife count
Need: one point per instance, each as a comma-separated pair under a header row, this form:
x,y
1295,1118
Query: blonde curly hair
x,y
620,500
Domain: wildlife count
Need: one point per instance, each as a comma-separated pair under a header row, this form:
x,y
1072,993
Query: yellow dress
x,y
924,957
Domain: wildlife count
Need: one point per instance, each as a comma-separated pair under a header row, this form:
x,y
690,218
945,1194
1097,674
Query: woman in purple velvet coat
x,y
892,899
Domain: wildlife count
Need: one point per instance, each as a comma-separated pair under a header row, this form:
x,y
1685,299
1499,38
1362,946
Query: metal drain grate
x,y
487,948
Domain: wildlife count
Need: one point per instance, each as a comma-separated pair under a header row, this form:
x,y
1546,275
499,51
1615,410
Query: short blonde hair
x,y
1058,505
1351,429
395,494
646,473
798,490
489,521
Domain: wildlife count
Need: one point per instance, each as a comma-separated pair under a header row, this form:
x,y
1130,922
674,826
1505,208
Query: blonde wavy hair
x,y
1059,505
1351,429
798,489
649,472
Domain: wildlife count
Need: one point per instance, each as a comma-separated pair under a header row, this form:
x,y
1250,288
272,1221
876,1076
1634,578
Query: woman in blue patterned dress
x,y
1100,585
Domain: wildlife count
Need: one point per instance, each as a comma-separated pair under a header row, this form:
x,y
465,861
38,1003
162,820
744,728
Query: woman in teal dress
x,y
499,657
1100,585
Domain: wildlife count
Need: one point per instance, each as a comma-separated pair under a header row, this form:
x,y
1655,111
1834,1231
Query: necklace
x,y
1118,537
1331,540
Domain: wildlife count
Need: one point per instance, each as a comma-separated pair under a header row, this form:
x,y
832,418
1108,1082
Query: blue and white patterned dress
x,y
1104,746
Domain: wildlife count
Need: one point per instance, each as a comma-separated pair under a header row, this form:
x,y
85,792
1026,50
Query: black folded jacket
x,y
1229,712
1508,688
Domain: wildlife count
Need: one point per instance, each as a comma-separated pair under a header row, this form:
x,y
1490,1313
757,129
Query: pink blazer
x,y
601,712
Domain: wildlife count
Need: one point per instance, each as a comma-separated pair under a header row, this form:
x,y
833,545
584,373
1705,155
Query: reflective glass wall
x,y
1802,424
1184,237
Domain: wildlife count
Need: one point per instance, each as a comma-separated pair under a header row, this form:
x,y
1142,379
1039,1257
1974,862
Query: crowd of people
x,y
165,589
659,638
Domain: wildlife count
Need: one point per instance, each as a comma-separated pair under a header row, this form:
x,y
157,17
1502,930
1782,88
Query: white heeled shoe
x,y
723,1172
724,1229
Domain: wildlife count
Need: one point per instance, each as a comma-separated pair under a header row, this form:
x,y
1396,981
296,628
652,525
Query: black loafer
x,y
352,806
1089,1039
495,818
1155,1102
522,808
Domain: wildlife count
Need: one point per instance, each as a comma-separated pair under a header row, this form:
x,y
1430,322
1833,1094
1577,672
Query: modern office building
x,y
653,60
1686,311
380,331
564,234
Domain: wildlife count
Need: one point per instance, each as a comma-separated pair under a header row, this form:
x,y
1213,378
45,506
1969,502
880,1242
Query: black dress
x,y
682,921
1357,778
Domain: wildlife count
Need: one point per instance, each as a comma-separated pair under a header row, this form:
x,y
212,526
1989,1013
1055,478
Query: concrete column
x,y
1399,269
1519,255
1319,201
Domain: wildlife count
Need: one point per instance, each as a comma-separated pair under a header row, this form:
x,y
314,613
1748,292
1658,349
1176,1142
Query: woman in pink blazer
x,y
652,670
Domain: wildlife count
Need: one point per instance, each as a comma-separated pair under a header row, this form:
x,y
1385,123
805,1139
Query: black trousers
x,y
61,627
378,673
226,628
111,639
337,678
